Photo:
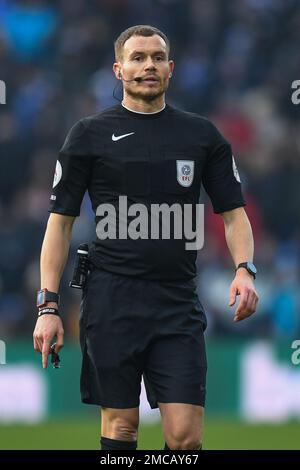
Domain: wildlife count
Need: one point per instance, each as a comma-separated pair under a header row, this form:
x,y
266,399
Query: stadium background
x,y
235,62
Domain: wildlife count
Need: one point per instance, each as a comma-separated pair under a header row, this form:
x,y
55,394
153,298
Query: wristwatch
x,y
44,296
249,266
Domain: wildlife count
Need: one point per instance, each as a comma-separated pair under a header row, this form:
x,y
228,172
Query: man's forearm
x,y
54,254
238,234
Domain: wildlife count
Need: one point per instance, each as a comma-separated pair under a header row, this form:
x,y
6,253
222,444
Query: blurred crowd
x,y
235,62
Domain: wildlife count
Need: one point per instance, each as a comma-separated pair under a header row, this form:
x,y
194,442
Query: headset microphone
x,y
136,79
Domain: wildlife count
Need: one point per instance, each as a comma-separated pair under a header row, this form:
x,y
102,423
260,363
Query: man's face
x,y
145,57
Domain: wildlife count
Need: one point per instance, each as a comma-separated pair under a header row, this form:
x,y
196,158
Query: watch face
x,y
40,298
252,267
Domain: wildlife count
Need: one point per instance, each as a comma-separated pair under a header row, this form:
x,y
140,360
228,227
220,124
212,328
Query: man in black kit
x,y
140,314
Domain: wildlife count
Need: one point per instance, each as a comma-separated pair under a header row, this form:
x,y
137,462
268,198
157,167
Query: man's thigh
x,y
176,365
114,332
176,370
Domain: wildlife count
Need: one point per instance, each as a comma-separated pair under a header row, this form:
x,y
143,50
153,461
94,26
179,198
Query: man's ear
x,y
117,70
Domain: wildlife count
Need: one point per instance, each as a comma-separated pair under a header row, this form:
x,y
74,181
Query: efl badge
x,y
235,170
185,172
57,174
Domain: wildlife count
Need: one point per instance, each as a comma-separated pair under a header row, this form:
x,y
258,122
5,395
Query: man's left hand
x,y
243,285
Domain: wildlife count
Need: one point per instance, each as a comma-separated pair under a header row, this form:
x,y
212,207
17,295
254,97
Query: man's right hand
x,y
48,326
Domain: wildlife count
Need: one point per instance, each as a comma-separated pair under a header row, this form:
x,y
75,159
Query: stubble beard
x,y
149,95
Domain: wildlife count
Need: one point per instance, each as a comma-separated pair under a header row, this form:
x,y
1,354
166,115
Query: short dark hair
x,y
139,30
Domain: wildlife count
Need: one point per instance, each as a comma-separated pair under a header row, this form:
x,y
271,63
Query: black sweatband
x,y
48,310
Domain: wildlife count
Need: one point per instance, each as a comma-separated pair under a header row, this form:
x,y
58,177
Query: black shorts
x,y
132,328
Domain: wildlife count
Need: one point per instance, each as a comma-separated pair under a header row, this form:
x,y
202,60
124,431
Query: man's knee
x,y
120,426
184,440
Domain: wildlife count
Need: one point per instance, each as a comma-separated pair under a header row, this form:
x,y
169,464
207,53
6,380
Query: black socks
x,y
113,444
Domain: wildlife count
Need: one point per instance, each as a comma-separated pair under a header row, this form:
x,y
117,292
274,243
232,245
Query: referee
x,y
140,314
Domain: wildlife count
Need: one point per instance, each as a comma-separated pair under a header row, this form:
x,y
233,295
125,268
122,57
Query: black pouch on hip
x,y
81,267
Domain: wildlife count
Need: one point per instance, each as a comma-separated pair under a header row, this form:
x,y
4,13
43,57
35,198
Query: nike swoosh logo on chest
x,y
114,138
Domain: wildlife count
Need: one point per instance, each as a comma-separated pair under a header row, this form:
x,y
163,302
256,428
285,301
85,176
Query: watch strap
x,y
245,265
44,296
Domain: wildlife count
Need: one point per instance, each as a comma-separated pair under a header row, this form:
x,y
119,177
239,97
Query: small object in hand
x,y
55,360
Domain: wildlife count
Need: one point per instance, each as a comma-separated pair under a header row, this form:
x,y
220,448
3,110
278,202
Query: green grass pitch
x,y
77,434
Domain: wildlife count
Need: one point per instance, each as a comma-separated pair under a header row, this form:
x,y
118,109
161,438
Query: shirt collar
x,y
140,112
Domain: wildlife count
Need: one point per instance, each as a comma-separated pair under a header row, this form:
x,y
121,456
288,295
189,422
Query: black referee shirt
x,y
152,159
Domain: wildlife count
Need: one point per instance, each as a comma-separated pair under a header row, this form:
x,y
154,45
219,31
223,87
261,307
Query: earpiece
x,y
120,76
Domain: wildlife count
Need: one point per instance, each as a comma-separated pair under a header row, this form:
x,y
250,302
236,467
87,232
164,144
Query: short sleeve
x,y
72,172
220,177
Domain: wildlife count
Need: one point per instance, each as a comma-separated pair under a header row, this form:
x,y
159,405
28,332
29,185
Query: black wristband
x,y
48,310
